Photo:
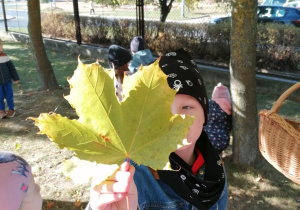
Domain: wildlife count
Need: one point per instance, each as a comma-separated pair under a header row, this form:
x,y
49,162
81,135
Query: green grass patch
x,y
63,65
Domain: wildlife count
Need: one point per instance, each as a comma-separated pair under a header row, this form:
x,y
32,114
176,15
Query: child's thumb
x,y
125,166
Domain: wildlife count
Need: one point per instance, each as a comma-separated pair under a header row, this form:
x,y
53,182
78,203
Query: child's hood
x,y
221,91
184,76
222,97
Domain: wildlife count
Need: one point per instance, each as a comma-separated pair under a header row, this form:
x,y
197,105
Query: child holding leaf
x,y
171,162
197,179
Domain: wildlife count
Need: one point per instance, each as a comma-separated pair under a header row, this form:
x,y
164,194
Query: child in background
x,y
198,178
141,56
92,10
18,190
7,73
219,121
118,60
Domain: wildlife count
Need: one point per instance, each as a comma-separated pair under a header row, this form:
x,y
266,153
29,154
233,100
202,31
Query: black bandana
x,y
200,193
184,75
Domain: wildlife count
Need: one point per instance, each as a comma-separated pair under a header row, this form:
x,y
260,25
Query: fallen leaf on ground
x,y
259,202
17,146
49,204
77,204
258,179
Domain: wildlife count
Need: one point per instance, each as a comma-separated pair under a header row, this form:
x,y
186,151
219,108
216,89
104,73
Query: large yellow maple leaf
x,y
141,127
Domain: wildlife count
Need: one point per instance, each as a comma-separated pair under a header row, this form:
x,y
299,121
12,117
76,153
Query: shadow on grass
x,y
259,187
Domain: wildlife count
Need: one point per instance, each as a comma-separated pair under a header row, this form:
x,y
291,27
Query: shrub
x,y
278,45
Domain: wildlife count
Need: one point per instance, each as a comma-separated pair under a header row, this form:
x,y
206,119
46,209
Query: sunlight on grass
x,y
10,47
281,202
14,58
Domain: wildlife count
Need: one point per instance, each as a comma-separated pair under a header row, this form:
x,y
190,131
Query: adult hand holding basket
x,y
279,139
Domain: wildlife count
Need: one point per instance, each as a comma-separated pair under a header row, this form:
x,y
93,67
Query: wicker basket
x,y
279,139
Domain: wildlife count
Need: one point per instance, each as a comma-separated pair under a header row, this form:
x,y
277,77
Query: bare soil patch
x,y
45,158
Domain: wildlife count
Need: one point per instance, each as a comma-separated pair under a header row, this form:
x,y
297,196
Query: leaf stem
x,y
127,198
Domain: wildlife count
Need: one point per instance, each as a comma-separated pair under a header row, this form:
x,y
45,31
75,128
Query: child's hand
x,y
113,193
16,82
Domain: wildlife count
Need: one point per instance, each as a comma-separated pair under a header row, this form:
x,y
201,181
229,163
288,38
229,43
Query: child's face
x,y
32,199
188,105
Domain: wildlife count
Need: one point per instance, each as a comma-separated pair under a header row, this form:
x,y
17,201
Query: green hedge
x,y
278,45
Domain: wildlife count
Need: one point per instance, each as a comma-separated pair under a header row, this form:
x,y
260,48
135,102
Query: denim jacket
x,y
155,194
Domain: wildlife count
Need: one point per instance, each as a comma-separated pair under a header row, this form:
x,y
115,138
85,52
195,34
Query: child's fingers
x,y
124,166
124,174
112,187
111,198
112,191
102,201
117,183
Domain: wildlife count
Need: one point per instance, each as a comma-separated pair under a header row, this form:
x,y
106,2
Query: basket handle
x,y
276,106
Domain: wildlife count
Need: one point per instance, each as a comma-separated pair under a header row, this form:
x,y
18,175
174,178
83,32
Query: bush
x,y
278,45
58,26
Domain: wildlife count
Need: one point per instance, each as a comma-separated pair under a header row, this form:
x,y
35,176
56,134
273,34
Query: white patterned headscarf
x,y
184,76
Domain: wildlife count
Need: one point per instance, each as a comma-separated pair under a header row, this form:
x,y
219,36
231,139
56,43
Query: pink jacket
x,y
17,184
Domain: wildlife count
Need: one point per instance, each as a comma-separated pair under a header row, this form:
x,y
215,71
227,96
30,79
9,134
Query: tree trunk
x,y
77,21
164,9
44,68
243,82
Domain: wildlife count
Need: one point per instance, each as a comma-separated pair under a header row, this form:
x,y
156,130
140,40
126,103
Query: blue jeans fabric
x,y
6,92
155,194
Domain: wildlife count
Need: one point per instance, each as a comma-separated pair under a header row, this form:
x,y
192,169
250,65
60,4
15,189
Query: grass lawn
x,y
250,187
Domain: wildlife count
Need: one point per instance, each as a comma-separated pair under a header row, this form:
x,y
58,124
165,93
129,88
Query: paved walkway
x,y
8,17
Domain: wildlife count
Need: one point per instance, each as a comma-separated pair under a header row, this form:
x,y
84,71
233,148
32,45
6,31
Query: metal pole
x,y
140,17
143,20
137,16
4,16
77,21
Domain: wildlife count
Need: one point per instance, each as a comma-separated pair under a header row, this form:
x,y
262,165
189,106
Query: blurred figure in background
x,y
118,60
92,10
220,120
141,56
8,73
